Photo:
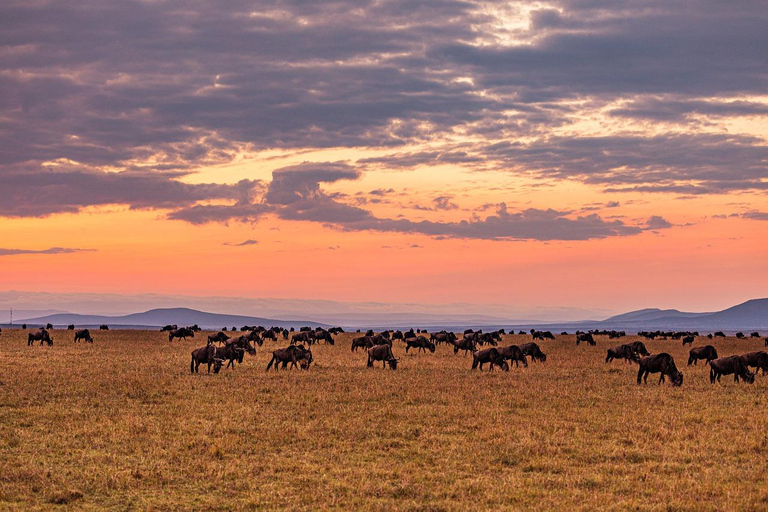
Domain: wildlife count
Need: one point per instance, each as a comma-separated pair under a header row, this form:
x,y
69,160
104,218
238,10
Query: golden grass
x,y
122,424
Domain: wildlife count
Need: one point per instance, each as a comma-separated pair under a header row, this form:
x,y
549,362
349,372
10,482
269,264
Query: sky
x,y
600,155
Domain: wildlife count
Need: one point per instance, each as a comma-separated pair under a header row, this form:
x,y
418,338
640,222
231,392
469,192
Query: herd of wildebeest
x,y
221,348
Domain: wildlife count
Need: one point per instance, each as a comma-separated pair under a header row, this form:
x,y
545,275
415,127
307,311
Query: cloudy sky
x,y
585,153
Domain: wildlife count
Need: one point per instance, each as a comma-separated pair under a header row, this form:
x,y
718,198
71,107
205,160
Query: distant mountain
x,y
156,318
749,316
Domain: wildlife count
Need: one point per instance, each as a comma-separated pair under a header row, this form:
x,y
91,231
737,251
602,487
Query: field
x,y
122,424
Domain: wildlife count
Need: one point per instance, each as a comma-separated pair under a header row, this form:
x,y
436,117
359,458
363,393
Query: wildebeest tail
x,y
270,362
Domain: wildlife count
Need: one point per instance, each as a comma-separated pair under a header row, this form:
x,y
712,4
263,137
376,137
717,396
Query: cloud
x,y
192,86
658,222
52,250
242,244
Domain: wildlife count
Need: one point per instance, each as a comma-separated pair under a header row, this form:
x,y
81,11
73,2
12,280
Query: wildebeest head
x,y
748,377
393,363
217,364
677,379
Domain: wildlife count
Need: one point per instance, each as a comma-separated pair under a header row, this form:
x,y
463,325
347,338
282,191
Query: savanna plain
x,y
122,424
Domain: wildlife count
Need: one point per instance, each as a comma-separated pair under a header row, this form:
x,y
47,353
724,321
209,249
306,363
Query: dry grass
x,y
122,424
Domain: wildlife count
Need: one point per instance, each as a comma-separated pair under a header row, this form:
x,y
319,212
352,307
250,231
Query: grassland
x,y
122,424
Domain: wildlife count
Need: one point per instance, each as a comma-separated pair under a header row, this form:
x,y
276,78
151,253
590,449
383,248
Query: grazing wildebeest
x,y
303,337
758,359
754,335
104,327
291,354
323,335
181,333
466,344
269,334
420,343
688,340
219,337
335,330
586,336
660,363
730,365
708,353
533,351
41,335
71,327
49,326
719,334
169,328
384,354
361,341
639,348
83,335
24,326
206,355
542,335
622,352
234,350
489,355
442,337
513,353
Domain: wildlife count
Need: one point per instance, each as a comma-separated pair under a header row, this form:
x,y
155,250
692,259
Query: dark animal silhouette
x,y
41,336
420,343
639,348
513,353
206,355
489,355
624,351
384,354
169,328
659,363
83,335
71,327
587,337
730,365
708,353
466,344
292,354
363,342
758,360
688,340
219,337
104,327
182,333
533,351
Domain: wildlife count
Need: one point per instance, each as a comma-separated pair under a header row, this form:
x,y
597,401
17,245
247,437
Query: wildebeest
x,y
533,351
758,360
104,327
206,355
71,327
291,354
181,333
719,334
40,335
420,343
585,336
442,337
269,334
219,337
542,335
754,335
83,335
169,328
688,340
49,326
639,348
659,363
740,335
730,365
465,344
384,354
234,349
335,330
708,353
363,342
624,351
489,355
513,353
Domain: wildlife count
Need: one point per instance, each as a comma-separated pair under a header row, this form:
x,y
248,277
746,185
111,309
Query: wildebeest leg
x,y
661,379
735,377
639,375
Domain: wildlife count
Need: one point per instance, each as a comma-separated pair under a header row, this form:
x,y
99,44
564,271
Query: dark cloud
x,y
755,215
52,250
154,90
658,222
242,244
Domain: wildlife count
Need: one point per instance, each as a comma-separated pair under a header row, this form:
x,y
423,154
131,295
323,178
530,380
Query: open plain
x,y
121,423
